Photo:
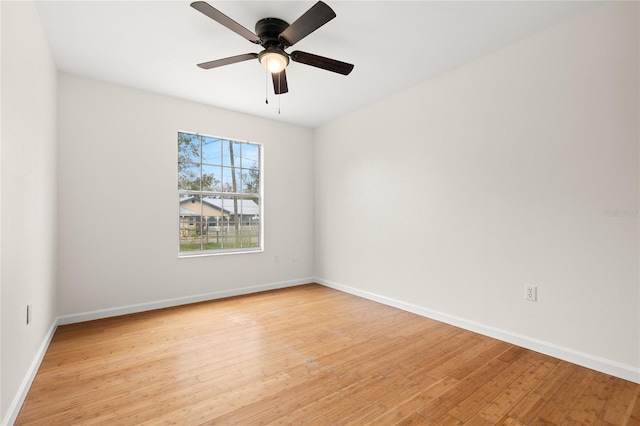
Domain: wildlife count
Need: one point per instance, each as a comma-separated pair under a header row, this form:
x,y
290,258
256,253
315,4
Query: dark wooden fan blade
x,y
311,20
321,62
227,61
280,82
223,19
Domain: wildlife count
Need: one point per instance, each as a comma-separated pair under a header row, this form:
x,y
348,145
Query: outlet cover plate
x,y
531,293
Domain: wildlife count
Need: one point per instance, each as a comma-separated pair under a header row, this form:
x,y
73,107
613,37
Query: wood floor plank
x,y
527,409
440,406
470,406
632,416
619,399
509,421
435,362
499,407
288,400
428,389
414,420
559,406
391,398
308,355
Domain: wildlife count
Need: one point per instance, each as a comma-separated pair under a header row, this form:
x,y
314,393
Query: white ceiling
x,y
155,46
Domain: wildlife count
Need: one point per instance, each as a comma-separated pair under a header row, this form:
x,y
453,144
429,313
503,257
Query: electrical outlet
x,y
276,259
531,293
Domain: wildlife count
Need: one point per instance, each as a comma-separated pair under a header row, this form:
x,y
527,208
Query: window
x,y
219,195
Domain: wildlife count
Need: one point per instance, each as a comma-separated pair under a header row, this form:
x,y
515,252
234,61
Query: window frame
x,y
222,195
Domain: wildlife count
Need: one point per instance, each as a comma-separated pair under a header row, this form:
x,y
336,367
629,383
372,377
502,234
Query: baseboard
x,y
23,390
159,304
592,362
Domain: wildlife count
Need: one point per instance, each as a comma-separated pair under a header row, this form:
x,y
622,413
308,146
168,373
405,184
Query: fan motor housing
x,y
268,29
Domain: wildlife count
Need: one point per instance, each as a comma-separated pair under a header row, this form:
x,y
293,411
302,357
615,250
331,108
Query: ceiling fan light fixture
x,y
275,35
273,60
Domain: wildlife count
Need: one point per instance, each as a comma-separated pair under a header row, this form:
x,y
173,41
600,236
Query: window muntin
x,y
219,195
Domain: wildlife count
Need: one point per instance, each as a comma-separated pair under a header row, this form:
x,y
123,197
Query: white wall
x,y
452,196
28,196
118,200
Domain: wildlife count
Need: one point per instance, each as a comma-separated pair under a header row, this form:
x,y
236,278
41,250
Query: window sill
x,y
183,255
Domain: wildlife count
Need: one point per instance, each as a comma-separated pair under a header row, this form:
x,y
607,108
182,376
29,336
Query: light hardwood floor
x,y
308,355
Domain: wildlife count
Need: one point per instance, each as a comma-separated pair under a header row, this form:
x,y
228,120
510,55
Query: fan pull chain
x,y
279,92
266,86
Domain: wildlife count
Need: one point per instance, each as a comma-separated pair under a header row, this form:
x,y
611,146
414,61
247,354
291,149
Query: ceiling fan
x,y
276,35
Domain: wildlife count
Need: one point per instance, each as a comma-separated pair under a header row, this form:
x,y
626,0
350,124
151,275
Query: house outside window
x,y
219,195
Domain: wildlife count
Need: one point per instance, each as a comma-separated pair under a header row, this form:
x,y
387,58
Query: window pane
x,y
188,148
190,223
242,223
229,147
250,223
211,151
237,154
211,178
250,156
226,151
227,180
250,180
189,176
239,184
